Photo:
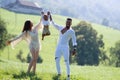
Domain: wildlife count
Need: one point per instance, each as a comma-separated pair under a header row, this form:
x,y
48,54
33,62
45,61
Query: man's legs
x,y
66,58
57,59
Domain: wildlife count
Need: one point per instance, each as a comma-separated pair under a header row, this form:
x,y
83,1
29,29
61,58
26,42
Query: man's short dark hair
x,y
69,19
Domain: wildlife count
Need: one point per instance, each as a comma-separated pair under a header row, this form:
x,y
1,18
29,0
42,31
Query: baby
x,y
46,23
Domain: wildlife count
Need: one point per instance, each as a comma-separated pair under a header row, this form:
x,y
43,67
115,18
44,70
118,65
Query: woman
x,y
30,34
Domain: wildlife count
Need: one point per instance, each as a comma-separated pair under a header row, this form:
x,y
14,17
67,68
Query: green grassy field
x,y
11,68
14,70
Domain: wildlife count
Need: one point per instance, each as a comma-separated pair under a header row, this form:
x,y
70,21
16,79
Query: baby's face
x,y
45,17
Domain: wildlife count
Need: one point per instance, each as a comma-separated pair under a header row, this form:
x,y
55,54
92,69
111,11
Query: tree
x,y
19,56
3,34
115,55
28,58
89,44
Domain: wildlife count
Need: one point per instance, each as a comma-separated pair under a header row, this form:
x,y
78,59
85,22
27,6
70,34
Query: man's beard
x,y
68,27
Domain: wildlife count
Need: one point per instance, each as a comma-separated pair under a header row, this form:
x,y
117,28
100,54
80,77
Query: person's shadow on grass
x,y
56,77
24,75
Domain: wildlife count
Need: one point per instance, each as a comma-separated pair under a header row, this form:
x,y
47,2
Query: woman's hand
x,y
8,42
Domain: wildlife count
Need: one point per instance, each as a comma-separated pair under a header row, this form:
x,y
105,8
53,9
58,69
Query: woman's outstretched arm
x,y
39,25
16,40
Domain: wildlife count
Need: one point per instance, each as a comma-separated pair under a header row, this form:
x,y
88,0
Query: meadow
x,y
12,69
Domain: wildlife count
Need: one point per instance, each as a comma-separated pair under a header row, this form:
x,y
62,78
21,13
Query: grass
x,y
110,35
11,68
14,70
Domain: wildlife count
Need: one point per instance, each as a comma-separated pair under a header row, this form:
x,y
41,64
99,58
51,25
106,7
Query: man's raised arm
x,y
54,24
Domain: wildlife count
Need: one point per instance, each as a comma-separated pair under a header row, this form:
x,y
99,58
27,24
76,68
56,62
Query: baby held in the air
x,y
46,23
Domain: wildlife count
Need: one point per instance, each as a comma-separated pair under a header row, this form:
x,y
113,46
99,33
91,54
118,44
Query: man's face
x,y
68,23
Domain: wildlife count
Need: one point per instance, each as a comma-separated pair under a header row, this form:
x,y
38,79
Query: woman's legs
x,y
31,62
35,61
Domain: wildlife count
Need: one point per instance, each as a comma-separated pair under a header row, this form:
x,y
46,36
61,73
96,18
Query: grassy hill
x,y
12,68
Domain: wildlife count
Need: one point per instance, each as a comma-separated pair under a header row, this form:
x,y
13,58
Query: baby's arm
x,y
48,13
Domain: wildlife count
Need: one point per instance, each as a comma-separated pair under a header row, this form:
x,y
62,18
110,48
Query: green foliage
x,y
3,34
19,56
115,55
23,75
103,58
89,44
39,60
28,58
10,70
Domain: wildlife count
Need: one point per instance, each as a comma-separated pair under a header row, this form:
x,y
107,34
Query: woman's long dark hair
x,y
27,26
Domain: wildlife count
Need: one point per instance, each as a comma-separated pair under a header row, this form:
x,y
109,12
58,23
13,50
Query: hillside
x,y
94,11
11,67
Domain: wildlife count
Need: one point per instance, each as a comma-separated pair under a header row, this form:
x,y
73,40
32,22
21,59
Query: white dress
x,y
31,37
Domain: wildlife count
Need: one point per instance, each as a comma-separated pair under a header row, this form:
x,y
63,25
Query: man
x,y
66,33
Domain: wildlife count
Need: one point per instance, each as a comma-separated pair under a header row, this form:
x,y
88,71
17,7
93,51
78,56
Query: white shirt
x,y
44,22
64,38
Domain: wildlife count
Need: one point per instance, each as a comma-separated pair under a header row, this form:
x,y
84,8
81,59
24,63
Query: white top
x,y
64,38
44,22
31,37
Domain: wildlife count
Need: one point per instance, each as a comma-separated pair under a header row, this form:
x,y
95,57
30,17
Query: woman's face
x,y
31,24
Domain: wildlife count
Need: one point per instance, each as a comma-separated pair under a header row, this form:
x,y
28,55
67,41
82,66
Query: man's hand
x,y
74,52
